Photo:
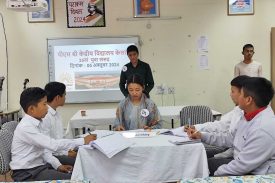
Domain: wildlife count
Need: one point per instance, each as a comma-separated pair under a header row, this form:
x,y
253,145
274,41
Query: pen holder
x,y
83,113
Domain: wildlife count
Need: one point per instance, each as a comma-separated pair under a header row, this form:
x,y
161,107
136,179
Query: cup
x,y
83,113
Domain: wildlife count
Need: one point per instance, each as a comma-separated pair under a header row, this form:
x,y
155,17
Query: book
x,y
176,132
112,144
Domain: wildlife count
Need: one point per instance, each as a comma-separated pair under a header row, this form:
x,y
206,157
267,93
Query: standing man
x,y
248,66
136,66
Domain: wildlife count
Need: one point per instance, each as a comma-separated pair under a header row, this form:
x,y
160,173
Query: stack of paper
x,y
176,131
183,140
112,144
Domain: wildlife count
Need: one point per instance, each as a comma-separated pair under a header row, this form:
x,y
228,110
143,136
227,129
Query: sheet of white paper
x,y
203,62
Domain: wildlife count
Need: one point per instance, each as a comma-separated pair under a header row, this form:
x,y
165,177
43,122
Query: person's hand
x,y
89,138
65,168
193,133
186,127
119,128
147,128
72,153
152,123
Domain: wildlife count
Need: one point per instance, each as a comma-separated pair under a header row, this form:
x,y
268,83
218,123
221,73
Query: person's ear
x,y
249,100
31,109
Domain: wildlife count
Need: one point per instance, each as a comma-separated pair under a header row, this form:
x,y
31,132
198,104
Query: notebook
x,y
112,144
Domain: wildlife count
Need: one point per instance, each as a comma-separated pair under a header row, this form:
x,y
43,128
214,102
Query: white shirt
x,y
53,127
253,142
29,145
254,69
227,123
52,124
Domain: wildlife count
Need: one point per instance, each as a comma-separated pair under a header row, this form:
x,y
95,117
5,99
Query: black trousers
x,y
43,172
215,163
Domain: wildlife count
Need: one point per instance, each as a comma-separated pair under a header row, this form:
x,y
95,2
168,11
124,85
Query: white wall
x,y
169,47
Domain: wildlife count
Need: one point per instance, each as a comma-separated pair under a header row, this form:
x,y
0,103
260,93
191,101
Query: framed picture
x,y
240,7
85,13
146,8
42,16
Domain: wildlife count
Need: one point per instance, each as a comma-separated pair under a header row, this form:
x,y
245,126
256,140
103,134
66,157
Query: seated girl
x,y
136,111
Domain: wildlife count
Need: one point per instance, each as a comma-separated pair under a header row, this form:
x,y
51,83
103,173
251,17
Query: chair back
x,y
5,150
196,114
10,126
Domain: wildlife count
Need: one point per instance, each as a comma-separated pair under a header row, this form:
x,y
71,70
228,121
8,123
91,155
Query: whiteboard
x,y
90,67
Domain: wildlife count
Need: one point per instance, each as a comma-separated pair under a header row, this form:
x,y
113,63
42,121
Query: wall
x,y
169,46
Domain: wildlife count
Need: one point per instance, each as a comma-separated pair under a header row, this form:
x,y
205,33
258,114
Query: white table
x,y
99,117
148,160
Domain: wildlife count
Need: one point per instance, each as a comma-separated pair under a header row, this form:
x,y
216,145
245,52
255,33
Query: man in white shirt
x,y
248,66
52,123
227,123
29,160
253,141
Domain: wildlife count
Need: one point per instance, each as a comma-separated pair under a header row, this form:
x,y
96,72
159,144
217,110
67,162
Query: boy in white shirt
x,y
253,141
227,123
248,66
52,123
31,159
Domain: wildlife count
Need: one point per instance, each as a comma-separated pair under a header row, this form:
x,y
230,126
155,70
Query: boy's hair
x,y
248,46
132,48
260,89
238,81
54,89
135,78
31,96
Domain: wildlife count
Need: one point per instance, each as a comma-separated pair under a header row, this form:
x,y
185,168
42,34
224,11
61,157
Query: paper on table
x,y
176,132
183,140
99,133
112,144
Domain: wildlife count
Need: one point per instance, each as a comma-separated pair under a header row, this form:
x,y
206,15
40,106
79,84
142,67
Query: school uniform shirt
x,y
254,145
29,145
254,69
52,126
227,123
133,117
143,69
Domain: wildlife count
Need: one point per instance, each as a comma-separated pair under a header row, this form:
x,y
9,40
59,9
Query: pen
x,y
189,122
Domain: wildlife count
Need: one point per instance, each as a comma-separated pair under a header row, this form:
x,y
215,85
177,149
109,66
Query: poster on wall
x,y
240,7
85,13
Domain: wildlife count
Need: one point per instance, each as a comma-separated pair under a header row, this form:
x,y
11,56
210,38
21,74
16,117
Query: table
x,y
148,160
233,179
98,117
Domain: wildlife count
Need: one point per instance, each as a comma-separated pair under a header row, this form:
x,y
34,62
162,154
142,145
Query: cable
x,y
7,58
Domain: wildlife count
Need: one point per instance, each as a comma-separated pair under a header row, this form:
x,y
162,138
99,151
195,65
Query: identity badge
x,y
124,68
144,113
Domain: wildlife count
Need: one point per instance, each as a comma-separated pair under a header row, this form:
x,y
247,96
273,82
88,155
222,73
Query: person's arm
x,y
149,80
118,121
49,158
41,140
122,83
260,71
218,139
222,125
236,71
255,152
156,122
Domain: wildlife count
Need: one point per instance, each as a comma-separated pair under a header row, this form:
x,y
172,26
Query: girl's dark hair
x,y
135,78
